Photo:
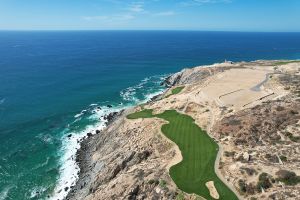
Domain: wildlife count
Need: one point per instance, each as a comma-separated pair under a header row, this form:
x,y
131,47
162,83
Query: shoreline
x,y
84,157
83,153
104,113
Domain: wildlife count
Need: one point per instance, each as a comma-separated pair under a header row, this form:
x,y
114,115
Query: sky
x,y
206,15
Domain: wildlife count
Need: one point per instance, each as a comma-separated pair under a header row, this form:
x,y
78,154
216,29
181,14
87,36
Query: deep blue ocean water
x,y
51,84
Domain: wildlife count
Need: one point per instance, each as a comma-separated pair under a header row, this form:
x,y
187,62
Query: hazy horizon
x,y
137,30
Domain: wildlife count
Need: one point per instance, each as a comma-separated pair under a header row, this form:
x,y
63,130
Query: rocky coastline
x,y
84,156
87,147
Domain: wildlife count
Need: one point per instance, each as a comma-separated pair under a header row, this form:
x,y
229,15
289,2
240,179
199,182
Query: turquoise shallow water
x,y
48,79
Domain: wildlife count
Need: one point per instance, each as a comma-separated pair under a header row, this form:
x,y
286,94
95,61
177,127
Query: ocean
x,y
56,86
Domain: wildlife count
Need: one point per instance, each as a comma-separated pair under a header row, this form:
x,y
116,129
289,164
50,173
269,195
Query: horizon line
x,y
167,30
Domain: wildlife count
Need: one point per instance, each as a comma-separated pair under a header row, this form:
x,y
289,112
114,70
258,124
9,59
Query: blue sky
x,y
214,15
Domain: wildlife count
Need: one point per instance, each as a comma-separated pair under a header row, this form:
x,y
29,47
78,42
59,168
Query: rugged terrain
x,y
250,109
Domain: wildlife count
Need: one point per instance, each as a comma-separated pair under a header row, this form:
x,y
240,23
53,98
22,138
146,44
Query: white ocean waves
x,y
141,92
4,193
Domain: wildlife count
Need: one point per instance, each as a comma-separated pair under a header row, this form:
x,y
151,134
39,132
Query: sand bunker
x,y
212,190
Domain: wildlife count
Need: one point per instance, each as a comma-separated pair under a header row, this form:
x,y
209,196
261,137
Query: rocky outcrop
x,y
123,162
197,74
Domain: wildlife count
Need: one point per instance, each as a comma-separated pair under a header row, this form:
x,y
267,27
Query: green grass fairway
x,y
286,62
199,152
143,114
175,91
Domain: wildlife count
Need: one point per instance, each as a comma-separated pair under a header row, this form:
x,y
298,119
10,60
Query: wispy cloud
x,y
136,7
202,2
129,11
120,17
165,13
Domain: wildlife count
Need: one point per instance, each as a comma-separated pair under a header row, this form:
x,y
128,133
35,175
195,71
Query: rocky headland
x,y
251,109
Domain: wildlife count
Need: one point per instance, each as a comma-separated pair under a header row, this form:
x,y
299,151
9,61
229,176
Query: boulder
x,y
89,134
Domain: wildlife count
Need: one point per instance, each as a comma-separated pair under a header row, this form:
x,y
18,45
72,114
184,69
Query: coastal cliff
x,y
250,109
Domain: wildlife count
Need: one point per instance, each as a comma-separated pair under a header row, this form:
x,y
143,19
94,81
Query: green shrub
x,y
264,181
153,181
283,158
180,196
288,177
162,183
242,185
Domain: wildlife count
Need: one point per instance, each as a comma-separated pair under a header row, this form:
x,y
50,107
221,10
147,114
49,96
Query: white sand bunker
x,y
212,190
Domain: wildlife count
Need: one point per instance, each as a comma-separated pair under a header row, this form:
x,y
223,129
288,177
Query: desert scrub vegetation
x,y
246,188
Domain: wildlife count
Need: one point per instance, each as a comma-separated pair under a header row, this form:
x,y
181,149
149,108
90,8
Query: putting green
x,y
199,153
175,91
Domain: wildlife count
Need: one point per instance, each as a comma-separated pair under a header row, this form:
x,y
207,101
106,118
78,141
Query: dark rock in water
x,y
167,82
70,135
66,188
110,117
89,134
98,107
109,106
156,97
97,131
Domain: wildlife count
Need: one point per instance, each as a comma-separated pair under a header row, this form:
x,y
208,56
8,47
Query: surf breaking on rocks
x,y
100,112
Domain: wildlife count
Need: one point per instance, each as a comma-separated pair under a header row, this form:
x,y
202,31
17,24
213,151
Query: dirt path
x,y
258,86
